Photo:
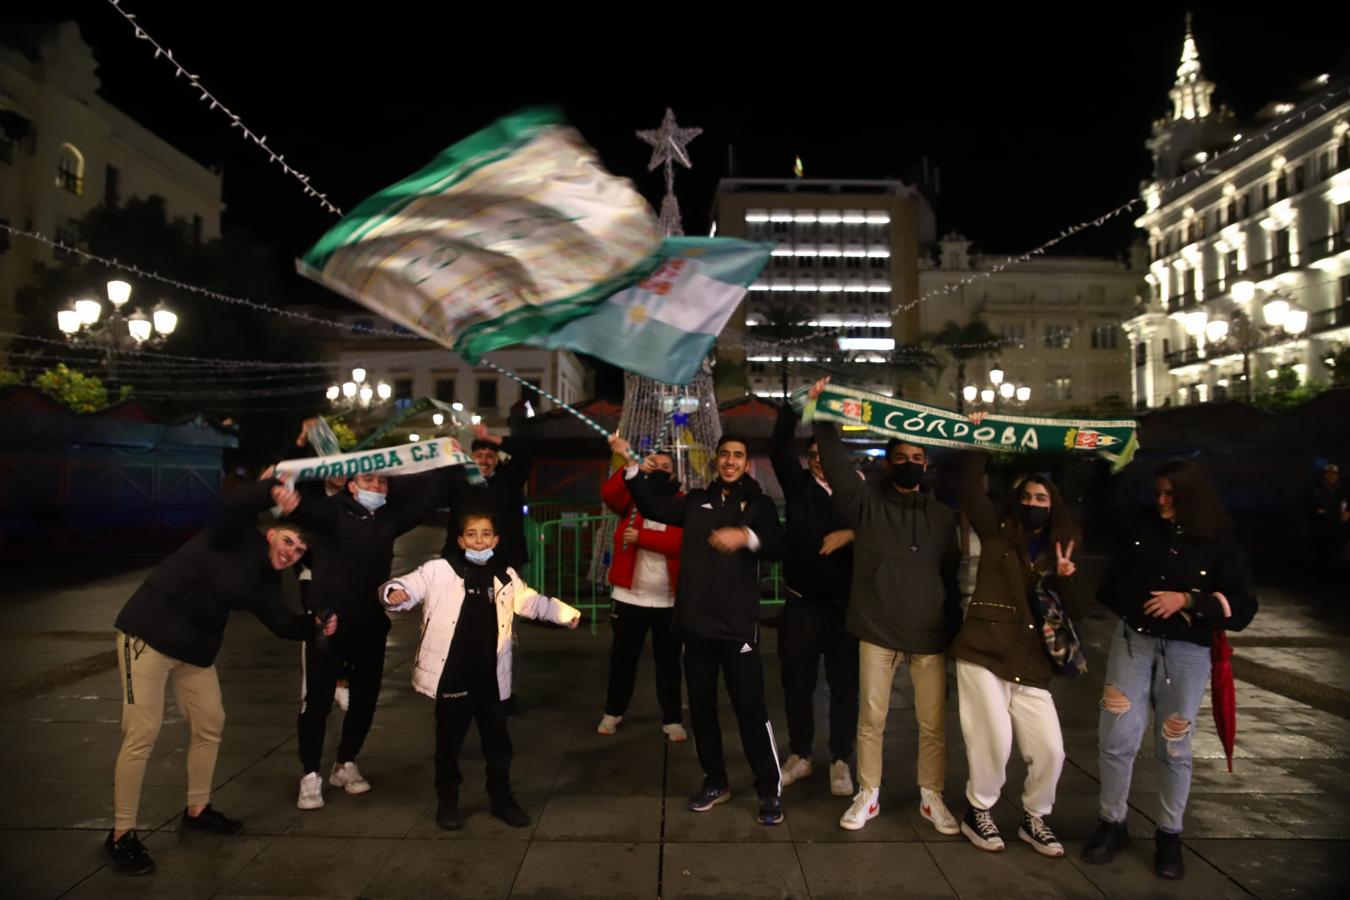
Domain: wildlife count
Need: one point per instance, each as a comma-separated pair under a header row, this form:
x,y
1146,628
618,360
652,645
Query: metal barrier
x,y
560,562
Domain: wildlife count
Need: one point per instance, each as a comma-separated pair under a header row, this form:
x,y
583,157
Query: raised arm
x,y
785,466
668,509
239,511
614,493
848,490
975,503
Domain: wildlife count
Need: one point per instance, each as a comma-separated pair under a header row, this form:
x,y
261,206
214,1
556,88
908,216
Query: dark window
x,y
445,390
112,186
1300,178
1231,264
1141,353
487,393
68,176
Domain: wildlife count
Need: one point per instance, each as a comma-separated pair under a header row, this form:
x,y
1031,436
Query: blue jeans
x,y
1167,678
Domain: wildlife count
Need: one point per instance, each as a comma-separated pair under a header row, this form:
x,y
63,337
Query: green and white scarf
x,y
1114,439
404,459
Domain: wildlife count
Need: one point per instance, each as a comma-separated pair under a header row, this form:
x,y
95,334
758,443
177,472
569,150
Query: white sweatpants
x,y
993,711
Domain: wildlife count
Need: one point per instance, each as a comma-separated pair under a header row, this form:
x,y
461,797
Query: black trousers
x,y
464,696
740,663
631,624
360,659
808,630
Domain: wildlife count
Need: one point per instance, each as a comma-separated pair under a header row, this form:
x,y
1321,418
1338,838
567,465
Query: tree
x,y
785,324
961,344
140,232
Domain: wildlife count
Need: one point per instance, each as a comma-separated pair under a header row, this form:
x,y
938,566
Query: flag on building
x,y
664,326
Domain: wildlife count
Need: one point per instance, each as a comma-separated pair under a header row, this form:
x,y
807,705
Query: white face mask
x,y
478,557
371,500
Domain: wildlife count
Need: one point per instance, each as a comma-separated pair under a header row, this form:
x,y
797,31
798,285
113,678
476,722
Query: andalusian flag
x,y
508,234
663,326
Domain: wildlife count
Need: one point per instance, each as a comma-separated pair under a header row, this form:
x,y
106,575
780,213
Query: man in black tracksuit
x,y
728,527
503,496
353,535
818,571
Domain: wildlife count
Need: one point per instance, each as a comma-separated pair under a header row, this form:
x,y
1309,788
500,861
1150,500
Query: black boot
x,y
447,815
1167,861
508,810
1105,841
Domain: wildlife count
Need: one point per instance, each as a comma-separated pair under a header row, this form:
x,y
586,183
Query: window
x,y
1280,247
1281,186
1300,179
68,233
1105,337
403,393
878,263
829,262
1343,218
1141,354
487,393
112,186
1013,333
1345,289
853,262
1265,195
1062,388
1058,337
757,368
70,170
197,229
445,390
1230,264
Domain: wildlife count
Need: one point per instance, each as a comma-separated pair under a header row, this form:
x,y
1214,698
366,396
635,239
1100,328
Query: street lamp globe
x,y
1216,330
359,375
996,375
1006,390
140,327
119,292
1296,321
333,392
366,393
166,320
987,395
438,420
414,437
970,392
384,391
349,389
1275,312
1244,291
68,320
1023,394
1195,322
88,310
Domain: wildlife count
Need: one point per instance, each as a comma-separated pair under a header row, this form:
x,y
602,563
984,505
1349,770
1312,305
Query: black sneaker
x,y
1105,841
770,810
1036,832
448,817
709,797
509,811
1167,861
211,820
128,856
978,826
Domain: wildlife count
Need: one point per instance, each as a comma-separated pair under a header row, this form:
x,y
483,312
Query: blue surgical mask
x,y
371,500
478,557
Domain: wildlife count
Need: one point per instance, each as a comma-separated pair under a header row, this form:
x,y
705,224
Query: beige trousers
x,y
876,672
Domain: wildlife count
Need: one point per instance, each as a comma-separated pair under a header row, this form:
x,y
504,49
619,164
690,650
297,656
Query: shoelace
x,y
984,822
1039,830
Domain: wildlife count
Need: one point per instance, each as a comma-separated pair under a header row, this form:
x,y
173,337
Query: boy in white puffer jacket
x,y
463,659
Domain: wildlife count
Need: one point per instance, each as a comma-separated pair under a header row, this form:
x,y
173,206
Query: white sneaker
x,y
866,805
348,777
343,695
795,769
608,724
311,792
934,809
841,779
675,733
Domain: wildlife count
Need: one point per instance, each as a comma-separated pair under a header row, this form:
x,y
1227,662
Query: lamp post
x,y
1001,391
1245,334
357,396
83,323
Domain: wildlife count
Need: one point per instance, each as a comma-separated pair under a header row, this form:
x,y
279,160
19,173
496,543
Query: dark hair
x,y
464,518
730,438
1195,503
896,442
287,523
811,442
1061,528
480,444
661,451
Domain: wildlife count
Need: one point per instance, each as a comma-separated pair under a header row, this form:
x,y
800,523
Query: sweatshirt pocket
x,y
989,628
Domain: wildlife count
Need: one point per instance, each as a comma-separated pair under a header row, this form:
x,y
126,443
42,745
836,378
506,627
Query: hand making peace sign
x,y
1064,566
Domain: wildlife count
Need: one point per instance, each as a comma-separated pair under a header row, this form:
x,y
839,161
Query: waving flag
x,y
663,326
507,234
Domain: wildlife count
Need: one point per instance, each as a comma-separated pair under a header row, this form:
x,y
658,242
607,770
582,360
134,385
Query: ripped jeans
x,y
1168,678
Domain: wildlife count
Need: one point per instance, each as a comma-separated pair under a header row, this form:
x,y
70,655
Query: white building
x,y
64,150
421,368
1249,269
1058,319
846,251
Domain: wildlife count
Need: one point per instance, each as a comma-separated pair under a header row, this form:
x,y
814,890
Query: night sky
x,y
1035,119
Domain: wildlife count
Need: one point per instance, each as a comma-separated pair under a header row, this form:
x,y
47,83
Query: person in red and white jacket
x,y
643,572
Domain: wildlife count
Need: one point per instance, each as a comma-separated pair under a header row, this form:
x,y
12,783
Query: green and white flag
x,y
1115,439
404,459
507,234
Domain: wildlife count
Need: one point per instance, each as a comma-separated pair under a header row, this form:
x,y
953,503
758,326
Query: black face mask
x,y
663,482
907,475
1034,518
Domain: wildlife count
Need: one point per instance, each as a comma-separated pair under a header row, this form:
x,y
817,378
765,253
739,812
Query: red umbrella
x,y
1222,693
